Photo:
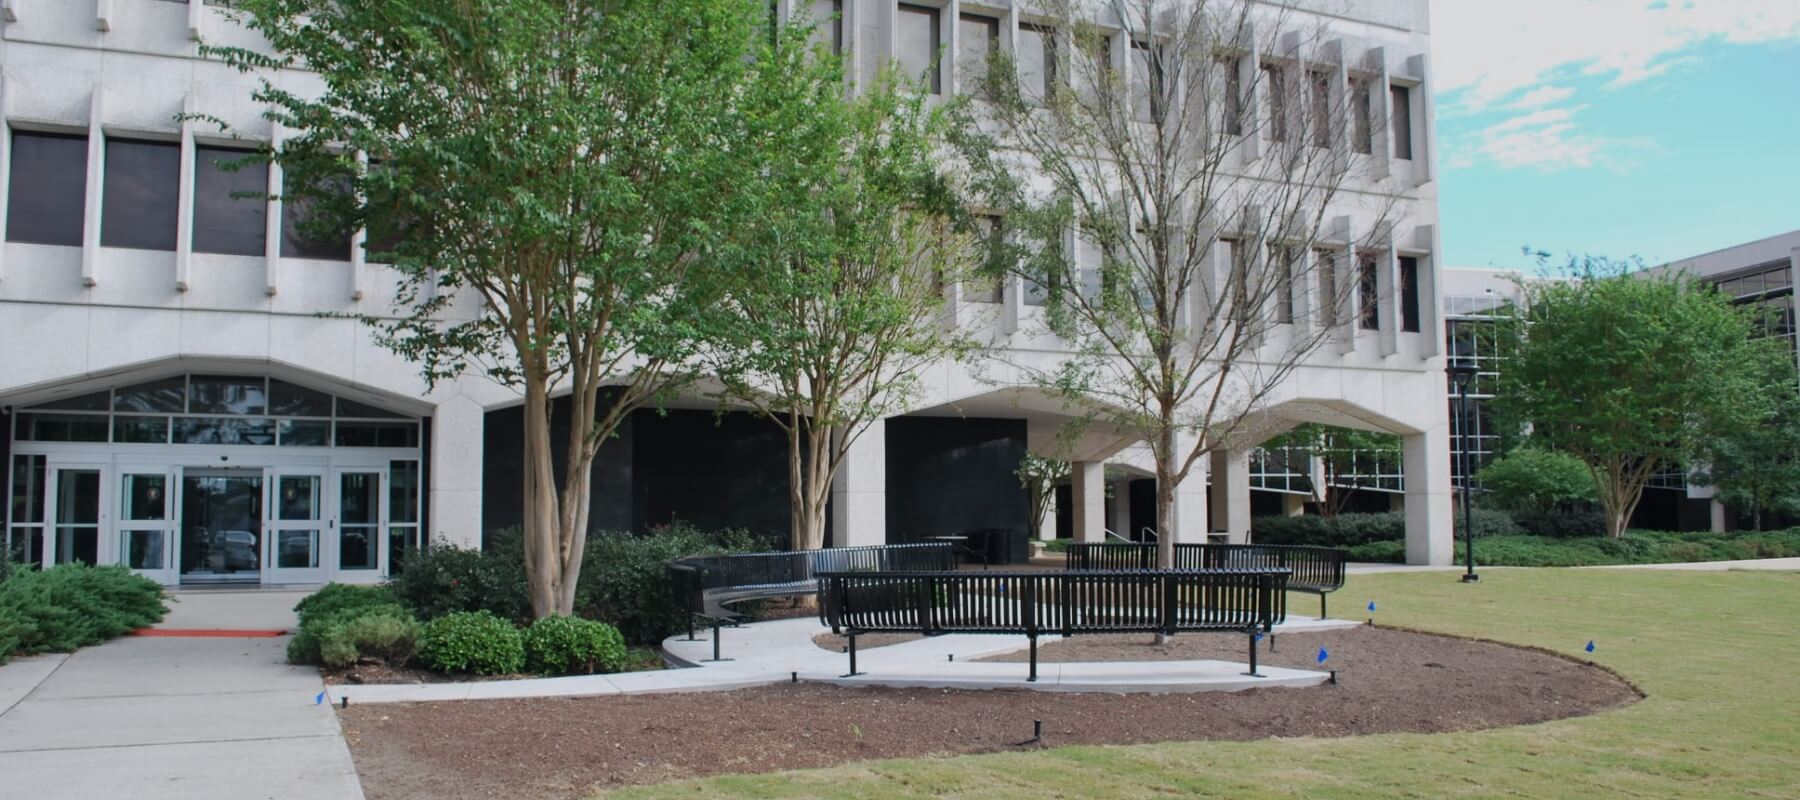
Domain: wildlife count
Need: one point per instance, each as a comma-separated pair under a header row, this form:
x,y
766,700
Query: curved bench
x,y
1171,601
707,584
1315,570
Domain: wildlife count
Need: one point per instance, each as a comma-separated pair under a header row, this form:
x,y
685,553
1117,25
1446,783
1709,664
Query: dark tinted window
x,y
1361,136
308,234
978,37
47,192
1234,95
141,194
1368,294
1401,103
225,219
1409,294
1036,57
917,44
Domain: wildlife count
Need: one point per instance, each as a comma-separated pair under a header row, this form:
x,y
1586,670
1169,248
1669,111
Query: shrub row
x,y
1636,547
73,605
624,578
1350,530
342,624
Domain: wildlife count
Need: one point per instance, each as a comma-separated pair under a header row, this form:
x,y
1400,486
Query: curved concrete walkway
x,y
152,718
766,653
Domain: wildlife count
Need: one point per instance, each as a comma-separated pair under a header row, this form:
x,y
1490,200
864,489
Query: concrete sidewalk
x,y
152,718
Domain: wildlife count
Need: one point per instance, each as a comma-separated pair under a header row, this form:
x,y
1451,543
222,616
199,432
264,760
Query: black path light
x,y
1462,372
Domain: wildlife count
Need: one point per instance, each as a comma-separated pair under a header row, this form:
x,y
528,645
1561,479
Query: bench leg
x,y
1033,677
716,657
690,636
1253,673
1321,605
852,673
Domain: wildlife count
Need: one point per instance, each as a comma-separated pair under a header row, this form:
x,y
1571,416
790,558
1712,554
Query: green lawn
x,y
1715,652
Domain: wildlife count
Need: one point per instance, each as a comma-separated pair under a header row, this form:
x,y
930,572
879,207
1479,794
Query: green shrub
x,y
1533,479
74,605
329,609
1350,530
389,635
1058,545
1386,552
472,641
571,645
442,580
625,578
1561,524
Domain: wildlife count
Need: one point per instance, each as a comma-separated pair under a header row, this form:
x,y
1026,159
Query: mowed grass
x,y
1716,653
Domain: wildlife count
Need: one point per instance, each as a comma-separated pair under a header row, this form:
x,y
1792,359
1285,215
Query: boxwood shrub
x,y
472,641
570,645
389,635
325,614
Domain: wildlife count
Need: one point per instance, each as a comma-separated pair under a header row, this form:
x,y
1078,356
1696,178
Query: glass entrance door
x,y
296,524
221,525
146,536
75,492
360,518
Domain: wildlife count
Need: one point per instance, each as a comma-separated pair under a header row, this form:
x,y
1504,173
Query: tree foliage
x,y
1627,372
1754,463
1342,453
1172,232
546,178
844,248
1533,479
1040,475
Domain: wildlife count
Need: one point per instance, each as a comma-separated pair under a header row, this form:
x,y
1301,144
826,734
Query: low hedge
x,y
1349,530
73,605
472,641
624,582
573,646
1636,547
340,624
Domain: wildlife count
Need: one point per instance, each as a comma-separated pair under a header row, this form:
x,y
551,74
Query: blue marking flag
x,y
1590,647
1323,655
1371,606
1003,587
320,700
1259,636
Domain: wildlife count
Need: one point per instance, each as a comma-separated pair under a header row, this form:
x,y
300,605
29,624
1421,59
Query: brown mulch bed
x,y
1391,681
837,643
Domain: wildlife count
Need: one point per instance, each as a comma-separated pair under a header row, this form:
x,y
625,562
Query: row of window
x,y
917,43
203,409
140,198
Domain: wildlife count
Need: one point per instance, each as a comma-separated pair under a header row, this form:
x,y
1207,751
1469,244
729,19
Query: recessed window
x,y
1361,133
1401,105
1234,95
916,37
828,15
307,229
141,194
1275,84
47,190
1330,298
982,289
1281,258
978,38
1147,87
229,204
1036,58
1319,99
1409,294
1368,294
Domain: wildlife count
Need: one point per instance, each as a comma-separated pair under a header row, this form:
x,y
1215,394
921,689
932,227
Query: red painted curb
x,y
206,633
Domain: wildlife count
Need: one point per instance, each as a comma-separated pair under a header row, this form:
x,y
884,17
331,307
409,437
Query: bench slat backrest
x,y
1314,569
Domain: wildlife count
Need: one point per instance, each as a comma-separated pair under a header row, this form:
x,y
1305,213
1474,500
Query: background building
x,y
175,394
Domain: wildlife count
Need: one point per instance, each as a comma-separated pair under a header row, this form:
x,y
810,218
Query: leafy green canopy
x,y
1533,479
1755,464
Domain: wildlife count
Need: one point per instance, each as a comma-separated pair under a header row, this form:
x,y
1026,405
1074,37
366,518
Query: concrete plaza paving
x,y
153,718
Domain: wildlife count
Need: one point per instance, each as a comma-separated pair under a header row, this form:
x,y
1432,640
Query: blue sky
x,y
1615,127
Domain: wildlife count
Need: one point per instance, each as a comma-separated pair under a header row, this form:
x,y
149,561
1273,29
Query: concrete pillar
x,y
1717,517
1088,481
1230,494
1430,538
1118,512
859,491
456,461
1047,529
1190,501
1293,505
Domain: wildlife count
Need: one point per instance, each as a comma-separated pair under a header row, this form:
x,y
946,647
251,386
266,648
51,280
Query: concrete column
x,y
1088,479
859,491
1230,494
456,461
1717,517
1047,530
1118,514
1190,502
1293,505
1430,539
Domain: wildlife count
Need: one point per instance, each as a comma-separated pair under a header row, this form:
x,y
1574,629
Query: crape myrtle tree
x,y
1185,246
545,176
1754,462
1629,373
1039,476
845,246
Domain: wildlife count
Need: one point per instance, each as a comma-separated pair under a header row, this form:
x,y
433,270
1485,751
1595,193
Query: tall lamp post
x,y
1462,373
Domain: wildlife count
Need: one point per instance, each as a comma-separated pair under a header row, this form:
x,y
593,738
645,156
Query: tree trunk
x,y
543,563
797,503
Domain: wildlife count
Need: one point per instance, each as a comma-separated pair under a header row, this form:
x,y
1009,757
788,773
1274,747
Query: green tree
x,y
1173,237
844,249
1040,475
1627,372
546,177
1342,453
1755,464
1534,479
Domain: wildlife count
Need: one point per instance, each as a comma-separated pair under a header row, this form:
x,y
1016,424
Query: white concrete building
x,y
174,397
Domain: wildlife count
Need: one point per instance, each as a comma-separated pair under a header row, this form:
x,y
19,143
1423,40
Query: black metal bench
x,y
1248,601
707,584
1316,570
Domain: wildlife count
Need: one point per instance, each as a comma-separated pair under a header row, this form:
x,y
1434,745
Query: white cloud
x,y
1493,49
1546,140
1543,96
